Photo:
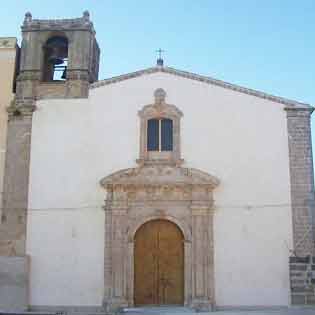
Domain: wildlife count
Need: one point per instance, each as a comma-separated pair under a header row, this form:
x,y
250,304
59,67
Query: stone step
x,y
163,310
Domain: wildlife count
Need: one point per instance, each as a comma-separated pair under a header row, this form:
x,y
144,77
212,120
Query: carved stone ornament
x,y
147,192
158,110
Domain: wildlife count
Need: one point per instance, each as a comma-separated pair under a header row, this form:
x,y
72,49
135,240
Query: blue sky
x,y
267,45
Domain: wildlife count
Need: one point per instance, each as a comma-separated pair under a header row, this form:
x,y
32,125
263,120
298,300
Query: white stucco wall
x,y
240,139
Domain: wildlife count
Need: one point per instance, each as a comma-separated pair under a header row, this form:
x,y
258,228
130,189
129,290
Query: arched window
x,y
160,135
55,59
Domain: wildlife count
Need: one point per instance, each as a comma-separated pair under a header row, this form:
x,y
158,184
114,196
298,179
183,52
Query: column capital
x,y
299,111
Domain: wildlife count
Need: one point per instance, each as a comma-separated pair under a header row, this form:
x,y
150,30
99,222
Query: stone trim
x,y
160,109
200,78
301,179
137,195
81,24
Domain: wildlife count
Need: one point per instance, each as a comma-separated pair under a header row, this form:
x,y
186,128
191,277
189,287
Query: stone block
x,y
297,299
14,283
300,267
304,260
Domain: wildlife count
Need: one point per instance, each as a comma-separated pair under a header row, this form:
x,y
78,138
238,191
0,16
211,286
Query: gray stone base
x,y
14,283
67,310
302,278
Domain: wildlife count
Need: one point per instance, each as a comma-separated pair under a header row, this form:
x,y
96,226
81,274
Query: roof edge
x,y
201,78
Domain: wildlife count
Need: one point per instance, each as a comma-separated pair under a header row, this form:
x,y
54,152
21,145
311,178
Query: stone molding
x,y
158,110
137,195
83,23
200,78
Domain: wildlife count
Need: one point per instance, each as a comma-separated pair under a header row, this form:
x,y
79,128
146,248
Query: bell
x,y
55,60
64,74
55,57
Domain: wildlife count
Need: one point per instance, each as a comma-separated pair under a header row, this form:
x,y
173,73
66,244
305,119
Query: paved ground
x,y
185,311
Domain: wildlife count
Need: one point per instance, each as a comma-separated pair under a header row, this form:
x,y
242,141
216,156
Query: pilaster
x,y
16,177
202,248
301,179
302,277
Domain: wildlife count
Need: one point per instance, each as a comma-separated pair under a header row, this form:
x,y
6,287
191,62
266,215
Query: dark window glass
x,y
167,135
153,135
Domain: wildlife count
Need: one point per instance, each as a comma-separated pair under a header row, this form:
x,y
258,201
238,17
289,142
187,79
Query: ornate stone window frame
x,y
159,110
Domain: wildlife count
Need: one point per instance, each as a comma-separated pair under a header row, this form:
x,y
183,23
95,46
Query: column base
x,y
201,305
115,304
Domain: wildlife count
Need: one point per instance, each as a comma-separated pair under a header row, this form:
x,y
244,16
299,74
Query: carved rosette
x,y
137,195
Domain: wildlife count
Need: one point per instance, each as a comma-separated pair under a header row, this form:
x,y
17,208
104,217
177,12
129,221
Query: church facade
x,y
158,187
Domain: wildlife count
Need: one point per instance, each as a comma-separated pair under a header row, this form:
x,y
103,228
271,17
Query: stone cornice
x,y
204,79
21,110
160,176
83,23
293,111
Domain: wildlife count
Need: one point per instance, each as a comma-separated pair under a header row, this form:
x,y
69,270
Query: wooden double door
x,y
159,264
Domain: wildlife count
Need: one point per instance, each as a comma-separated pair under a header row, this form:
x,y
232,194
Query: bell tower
x,y
59,59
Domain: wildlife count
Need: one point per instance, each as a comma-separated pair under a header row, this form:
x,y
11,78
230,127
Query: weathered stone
x,y
298,299
299,259
14,282
302,179
298,267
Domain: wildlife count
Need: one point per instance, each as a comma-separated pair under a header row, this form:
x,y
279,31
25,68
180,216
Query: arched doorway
x,y
159,264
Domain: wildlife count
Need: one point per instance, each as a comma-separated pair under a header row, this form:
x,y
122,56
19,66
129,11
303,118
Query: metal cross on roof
x,y
160,61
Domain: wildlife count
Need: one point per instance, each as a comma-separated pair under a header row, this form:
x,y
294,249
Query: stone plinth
x,y
14,279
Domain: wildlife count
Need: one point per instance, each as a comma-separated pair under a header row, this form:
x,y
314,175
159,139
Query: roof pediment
x,y
204,79
159,175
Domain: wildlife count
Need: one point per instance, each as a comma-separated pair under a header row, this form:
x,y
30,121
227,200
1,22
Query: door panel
x,y
159,264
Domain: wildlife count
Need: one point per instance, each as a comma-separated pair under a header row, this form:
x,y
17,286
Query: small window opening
x,y
160,135
55,59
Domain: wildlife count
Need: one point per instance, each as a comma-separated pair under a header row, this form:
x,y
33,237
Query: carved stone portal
x,y
138,195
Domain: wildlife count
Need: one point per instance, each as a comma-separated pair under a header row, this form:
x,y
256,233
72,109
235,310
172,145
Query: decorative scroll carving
x,y
147,192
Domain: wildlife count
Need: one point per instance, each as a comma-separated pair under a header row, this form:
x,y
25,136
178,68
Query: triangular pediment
x,y
203,79
156,175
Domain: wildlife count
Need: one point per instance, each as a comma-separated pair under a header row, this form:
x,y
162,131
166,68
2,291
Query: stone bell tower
x,y
68,45
59,59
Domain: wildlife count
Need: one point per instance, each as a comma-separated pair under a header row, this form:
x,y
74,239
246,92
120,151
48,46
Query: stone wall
x,y
302,276
302,179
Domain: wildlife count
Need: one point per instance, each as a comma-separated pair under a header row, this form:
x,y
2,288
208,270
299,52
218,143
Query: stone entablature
x,y
138,195
83,23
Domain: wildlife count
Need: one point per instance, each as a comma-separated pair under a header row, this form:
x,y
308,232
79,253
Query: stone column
x,y
301,179
202,253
